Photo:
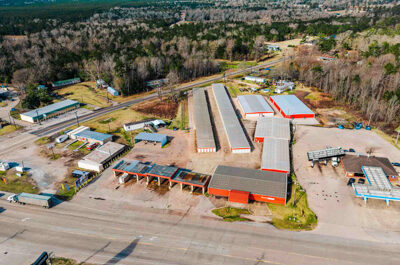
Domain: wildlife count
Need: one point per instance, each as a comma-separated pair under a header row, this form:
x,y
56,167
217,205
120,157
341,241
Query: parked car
x,y
62,138
351,181
396,164
345,150
361,181
91,146
352,150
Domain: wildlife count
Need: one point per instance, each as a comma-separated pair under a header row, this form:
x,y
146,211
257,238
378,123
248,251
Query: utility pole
x,y
398,134
294,194
370,117
9,116
77,119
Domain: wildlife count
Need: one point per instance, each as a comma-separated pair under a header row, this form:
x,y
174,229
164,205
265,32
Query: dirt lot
x,y
166,109
339,212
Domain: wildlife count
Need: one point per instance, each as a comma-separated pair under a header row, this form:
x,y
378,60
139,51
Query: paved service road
x,y
103,232
60,126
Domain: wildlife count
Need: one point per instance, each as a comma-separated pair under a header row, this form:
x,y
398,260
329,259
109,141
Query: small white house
x,y
255,79
283,85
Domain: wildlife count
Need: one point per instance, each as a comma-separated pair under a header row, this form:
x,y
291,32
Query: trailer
x,y
34,199
324,155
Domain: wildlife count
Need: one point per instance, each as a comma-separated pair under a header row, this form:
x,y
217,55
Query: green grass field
x,y
9,129
16,184
181,120
230,214
297,217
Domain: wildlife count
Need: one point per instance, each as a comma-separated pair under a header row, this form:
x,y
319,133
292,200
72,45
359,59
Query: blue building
x,y
152,137
112,91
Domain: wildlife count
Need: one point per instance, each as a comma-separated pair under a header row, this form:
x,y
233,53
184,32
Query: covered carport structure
x,y
134,168
152,137
192,179
161,173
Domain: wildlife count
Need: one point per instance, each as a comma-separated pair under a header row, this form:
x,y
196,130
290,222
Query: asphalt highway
x,y
105,232
65,124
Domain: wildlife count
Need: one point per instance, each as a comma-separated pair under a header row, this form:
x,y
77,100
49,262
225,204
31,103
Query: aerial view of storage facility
x,y
272,127
233,129
291,107
254,106
49,111
275,155
204,131
243,184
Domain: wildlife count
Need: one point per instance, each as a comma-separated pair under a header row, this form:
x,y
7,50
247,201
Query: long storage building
x,y
291,107
49,111
235,133
242,184
204,130
254,106
272,127
275,155
101,157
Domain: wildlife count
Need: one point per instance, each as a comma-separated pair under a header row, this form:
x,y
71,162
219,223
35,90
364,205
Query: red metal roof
x,y
239,196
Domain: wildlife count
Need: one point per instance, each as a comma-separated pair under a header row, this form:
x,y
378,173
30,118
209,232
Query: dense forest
x,y
145,40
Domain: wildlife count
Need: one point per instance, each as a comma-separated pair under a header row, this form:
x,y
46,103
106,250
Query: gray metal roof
x,y
376,177
233,129
94,135
153,137
204,131
272,127
46,110
326,153
250,180
165,171
191,178
275,155
105,152
291,105
254,104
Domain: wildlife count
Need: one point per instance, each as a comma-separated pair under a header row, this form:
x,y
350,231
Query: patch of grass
x,y
87,93
17,184
387,137
66,261
182,117
294,217
230,214
43,140
82,150
3,104
65,194
312,96
9,129
107,121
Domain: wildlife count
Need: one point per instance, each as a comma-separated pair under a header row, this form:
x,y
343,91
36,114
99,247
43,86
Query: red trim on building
x,y
252,197
239,196
275,170
294,116
259,139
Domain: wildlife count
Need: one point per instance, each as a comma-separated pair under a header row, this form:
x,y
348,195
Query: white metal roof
x,y
49,109
204,131
291,105
272,127
233,129
254,104
377,177
275,155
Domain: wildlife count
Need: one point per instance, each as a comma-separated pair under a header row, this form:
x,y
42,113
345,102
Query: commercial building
x,y
100,158
272,127
63,83
50,111
234,131
255,79
152,138
84,134
275,155
283,85
202,121
254,106
353,164
378,186
291,107
242,184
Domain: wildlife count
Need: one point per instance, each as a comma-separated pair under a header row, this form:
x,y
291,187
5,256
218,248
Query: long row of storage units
x,y
204,131
233,129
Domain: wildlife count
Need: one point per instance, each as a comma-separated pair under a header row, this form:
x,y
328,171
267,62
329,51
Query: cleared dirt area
x,y
339,212
165,109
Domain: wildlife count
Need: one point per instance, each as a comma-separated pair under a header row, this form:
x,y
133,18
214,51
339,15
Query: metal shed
x,y
93,137
254,106
204,131
152,137
49,111
291,107
272,127
261,185
275,155
101,157
233,129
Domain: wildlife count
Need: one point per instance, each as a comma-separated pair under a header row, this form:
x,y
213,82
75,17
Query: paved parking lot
x,y
339,212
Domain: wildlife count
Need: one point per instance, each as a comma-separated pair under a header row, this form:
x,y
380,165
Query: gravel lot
x,y
339,212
